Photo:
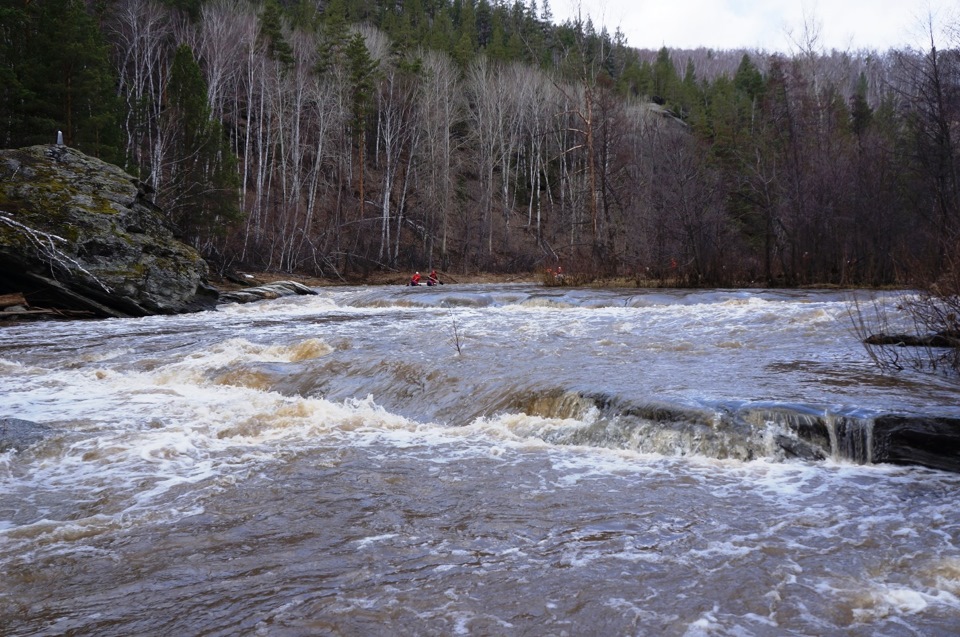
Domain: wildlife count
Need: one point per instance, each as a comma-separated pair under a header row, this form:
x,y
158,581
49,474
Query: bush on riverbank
x,y
933,311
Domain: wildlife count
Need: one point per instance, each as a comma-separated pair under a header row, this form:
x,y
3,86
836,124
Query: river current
x,y
468,460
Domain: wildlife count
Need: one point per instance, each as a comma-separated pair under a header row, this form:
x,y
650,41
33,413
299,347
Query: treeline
x,y
341,137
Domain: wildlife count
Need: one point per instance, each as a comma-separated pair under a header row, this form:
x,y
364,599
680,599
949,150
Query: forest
x,y
343,137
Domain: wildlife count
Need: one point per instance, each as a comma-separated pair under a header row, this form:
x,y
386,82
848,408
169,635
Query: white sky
x,y
763,24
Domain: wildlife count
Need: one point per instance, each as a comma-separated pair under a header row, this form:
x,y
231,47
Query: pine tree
x,y
272,32
665,79
362,70
191,8
335,36
441,36
860,112
496,48
748,79
484,22
467,25
464,51
14,24
57,76
200,197
304,15
688,92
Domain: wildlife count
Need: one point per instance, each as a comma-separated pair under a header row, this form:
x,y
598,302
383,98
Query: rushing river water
x,y
468,460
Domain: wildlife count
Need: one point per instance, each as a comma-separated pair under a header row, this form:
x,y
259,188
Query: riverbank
x,y
240,280
243,279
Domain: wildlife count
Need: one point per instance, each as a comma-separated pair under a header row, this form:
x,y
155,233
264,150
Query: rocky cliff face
x,y
77,233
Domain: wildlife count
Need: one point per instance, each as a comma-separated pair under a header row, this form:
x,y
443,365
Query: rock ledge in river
x,y
19,434
267,291
77,233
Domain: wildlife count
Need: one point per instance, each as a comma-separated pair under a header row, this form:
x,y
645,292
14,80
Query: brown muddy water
x,y
584,463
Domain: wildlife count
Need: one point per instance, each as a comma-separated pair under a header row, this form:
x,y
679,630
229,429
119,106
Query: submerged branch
x,y
934,345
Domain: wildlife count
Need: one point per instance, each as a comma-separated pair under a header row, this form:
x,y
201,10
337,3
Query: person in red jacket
x,y
433,279
415,279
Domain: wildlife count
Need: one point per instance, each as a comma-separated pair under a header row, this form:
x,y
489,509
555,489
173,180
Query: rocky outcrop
x,y
79,234
926,441
267,291
19,434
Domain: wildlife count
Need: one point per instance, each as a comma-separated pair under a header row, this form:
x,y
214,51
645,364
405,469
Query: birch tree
x,y
397,136
486,107
142,37
441,110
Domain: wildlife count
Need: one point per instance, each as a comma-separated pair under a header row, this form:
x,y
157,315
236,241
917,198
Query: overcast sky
x,y
762,24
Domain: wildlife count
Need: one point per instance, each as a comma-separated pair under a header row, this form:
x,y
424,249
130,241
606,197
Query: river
x,y
469,460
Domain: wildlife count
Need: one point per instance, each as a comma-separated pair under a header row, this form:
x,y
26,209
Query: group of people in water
x,y
432,279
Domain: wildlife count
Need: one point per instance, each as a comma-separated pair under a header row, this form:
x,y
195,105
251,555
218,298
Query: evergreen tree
x,y
200,196
748,79
271,31
191,8
665,78
441,36
14,24
335,36
688,93
484,22
58,76
304,15
464,51
416,19
514,48
467,24
721,121
496,48
860,112
636,79
362,69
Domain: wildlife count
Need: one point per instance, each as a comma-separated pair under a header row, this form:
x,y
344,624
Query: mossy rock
x,y
75,229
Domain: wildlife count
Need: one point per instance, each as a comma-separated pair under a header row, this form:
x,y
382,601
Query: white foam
x,y
285,306
882,602
706,624
367,541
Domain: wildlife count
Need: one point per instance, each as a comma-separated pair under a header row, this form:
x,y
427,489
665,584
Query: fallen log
x,y
914,340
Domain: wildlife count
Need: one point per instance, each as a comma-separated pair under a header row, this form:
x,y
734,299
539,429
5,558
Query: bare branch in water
x,y
455,336
925,335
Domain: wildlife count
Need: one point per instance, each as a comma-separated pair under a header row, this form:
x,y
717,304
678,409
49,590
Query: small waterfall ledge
x,y
747,431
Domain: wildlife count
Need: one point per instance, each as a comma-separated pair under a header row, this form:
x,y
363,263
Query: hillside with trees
x,y
341,137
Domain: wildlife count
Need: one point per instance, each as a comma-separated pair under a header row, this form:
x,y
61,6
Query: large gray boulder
x,y
77,233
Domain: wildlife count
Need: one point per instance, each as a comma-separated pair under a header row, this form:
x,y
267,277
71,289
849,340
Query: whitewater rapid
x,y
335,464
